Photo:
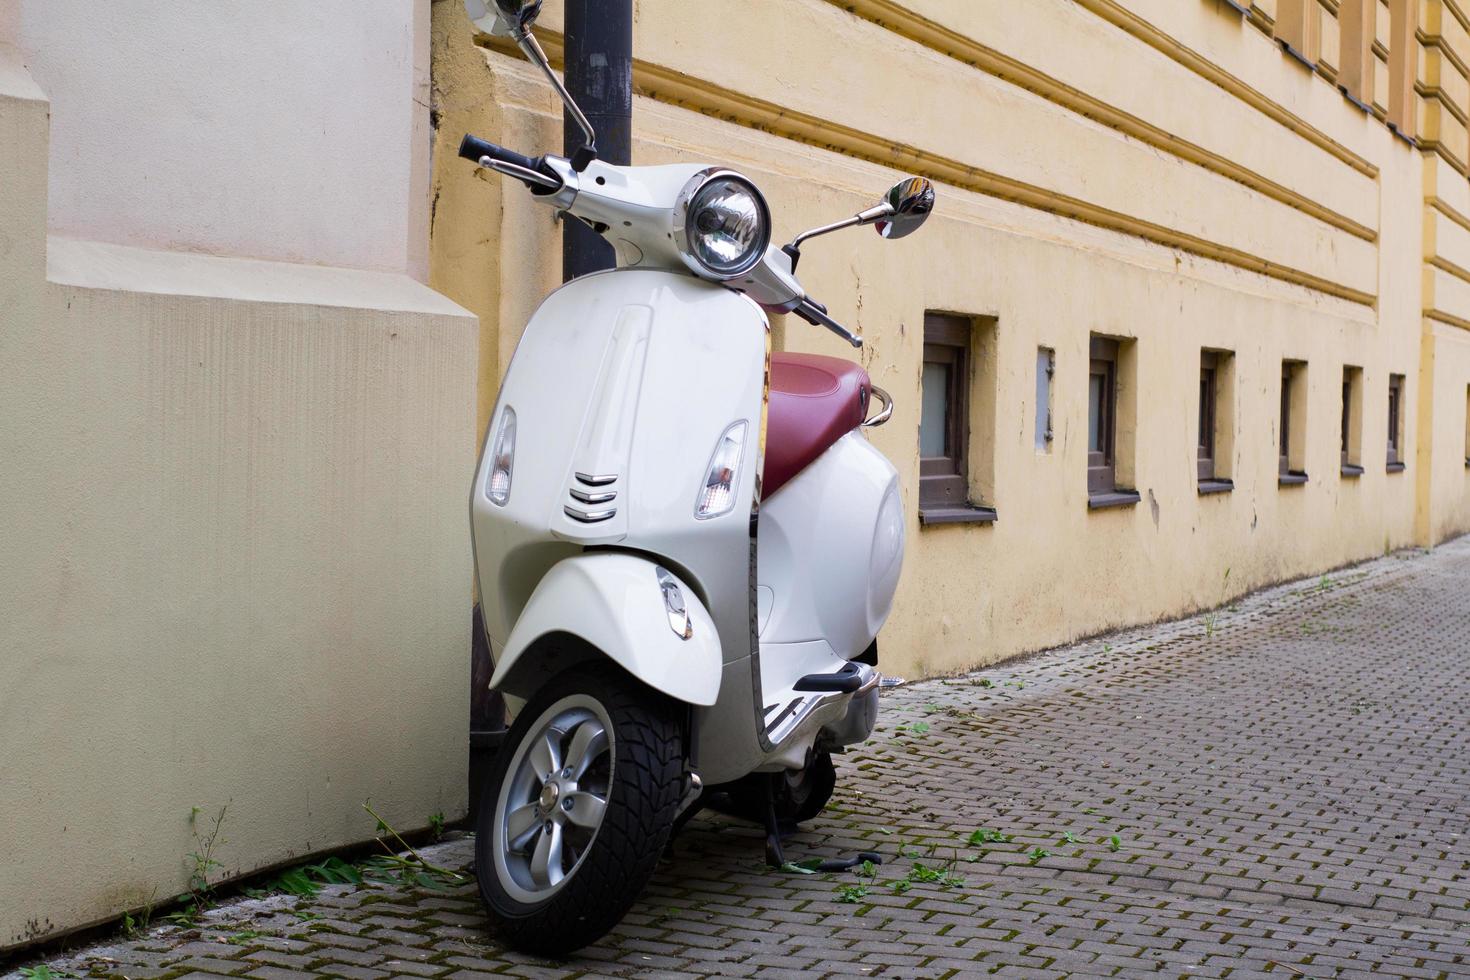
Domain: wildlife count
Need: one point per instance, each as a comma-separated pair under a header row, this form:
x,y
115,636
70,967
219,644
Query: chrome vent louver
x,y
588,505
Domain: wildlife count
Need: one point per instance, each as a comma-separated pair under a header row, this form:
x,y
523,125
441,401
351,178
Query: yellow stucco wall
x,y
234,564
1157,170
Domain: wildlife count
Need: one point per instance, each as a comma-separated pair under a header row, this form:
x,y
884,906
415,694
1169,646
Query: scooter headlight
x,y
727,225
502,459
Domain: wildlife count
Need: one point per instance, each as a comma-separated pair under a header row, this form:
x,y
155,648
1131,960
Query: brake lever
x,y
816,314
523,174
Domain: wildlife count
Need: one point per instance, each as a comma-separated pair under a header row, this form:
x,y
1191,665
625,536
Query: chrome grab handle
x,y
884,415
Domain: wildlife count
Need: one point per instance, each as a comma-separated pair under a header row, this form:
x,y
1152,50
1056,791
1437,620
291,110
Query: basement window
x,y
1352,421
1293,424
1213,430
1395,423
1103,429
945,461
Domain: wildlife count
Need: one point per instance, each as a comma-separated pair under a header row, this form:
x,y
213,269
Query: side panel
x,y
831,549
614,602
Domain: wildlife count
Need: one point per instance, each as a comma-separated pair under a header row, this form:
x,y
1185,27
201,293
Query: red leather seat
x,y
814,402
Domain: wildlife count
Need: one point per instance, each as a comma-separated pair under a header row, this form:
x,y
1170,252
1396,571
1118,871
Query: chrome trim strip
x,y
593,498
786,726
757,696
785,713
588,517
596,481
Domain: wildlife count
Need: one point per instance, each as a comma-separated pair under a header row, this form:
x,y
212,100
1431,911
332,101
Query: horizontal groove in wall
x,y
1454,8
1450,318
1444,152
676,88
1441,102
1435,44
1126,20
1440,205
1449,268
905,23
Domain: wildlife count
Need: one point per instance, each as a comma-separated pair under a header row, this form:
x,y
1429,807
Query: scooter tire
x,y
644,791
817,785
799,796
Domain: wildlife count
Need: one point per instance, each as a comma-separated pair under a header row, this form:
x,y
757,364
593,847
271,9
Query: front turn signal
x,y
717,493
502,459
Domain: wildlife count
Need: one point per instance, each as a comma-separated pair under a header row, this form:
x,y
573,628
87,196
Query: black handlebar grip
x,y
473,148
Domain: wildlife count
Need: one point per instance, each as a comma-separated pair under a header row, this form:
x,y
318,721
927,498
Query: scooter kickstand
x,y
776,854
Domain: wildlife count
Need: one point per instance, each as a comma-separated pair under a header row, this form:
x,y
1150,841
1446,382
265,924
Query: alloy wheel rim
x,y
553,798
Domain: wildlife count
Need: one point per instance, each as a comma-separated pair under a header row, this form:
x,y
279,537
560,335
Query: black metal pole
x,y
599,74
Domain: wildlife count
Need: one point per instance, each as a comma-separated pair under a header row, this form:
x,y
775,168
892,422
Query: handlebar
x,y
816,314
531,172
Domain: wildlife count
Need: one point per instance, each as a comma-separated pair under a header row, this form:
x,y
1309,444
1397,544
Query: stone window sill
x,y
1207,487
1351,471
1292,479
957,515
1112,498
1395,467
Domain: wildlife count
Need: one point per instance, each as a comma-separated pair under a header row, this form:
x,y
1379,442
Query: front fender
x,y
614,602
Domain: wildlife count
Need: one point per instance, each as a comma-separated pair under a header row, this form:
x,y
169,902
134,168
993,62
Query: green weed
x,y
41,972
867,872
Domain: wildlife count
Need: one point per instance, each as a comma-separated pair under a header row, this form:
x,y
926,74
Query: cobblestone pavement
x,y
1278,788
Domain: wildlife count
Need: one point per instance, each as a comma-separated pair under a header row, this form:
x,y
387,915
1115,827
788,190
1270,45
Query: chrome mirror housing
x,y
907,207
504,18
901,211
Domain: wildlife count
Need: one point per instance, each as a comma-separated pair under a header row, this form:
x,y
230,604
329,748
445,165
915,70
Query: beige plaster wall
x,y
1152,170
234,569
275,129
1448,364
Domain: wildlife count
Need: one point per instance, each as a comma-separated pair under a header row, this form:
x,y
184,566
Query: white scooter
x,y
643,433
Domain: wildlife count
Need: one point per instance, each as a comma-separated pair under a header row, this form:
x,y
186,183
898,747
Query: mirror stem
x,y
872,214
532,50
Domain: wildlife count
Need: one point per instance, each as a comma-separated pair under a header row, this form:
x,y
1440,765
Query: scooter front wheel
x,y
577,810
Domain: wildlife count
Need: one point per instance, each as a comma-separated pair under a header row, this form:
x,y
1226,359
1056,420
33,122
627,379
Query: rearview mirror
x,y
503,18
907,207
901,211
513,19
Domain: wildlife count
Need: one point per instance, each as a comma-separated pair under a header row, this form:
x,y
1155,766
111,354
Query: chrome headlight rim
x,y
683,227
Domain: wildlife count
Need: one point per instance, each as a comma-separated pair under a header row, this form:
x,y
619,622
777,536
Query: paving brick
x,y
213,964
278,973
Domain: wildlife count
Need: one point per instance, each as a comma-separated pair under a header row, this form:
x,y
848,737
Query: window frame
x,y
1208,416
1290,376
1351,422
1283,442
1395,409
1102,467
944,481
